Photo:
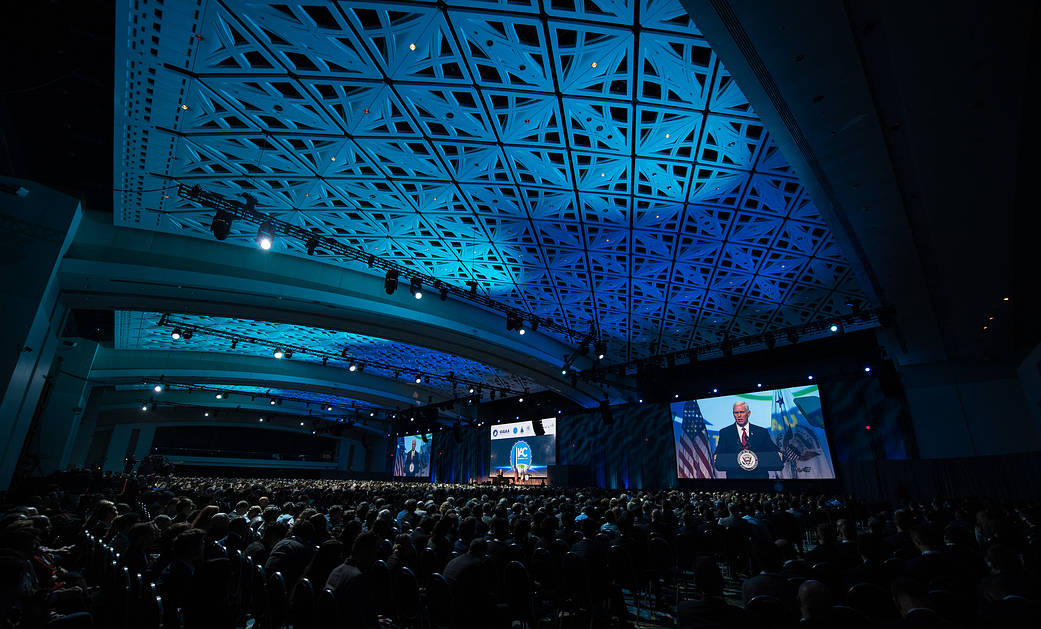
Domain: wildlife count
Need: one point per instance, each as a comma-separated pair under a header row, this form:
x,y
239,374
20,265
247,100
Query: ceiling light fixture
x,y
390,282
265,235
221,225
176,334
415,286
279,353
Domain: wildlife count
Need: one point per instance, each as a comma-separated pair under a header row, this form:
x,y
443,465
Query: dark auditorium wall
x,y
850,405
637,451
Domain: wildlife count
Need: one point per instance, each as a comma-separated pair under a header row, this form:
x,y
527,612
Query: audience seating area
x,y
83,550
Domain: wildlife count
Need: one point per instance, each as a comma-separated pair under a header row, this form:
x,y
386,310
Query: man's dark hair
x,y
478,547
366,542
590,527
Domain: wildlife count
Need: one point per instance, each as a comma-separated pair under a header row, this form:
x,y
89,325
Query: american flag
x,y
693,454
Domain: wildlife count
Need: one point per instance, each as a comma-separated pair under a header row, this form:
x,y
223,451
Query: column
x,y
38,225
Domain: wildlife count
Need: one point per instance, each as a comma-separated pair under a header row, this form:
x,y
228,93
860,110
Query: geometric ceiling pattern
x,y
139,331
588,161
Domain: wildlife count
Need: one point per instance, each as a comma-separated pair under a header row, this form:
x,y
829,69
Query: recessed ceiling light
x,y
411,46
594,64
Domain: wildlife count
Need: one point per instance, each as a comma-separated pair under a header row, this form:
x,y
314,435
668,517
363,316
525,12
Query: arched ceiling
x,y
591,162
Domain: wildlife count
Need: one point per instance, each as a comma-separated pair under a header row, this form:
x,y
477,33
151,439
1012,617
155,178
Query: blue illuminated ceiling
x,y
140,331
596,167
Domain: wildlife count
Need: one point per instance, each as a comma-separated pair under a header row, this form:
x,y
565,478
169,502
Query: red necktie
x,y
744,439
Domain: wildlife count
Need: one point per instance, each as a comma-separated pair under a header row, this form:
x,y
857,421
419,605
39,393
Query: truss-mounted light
x,y
415,286
279,353
265,235
176,334
390,282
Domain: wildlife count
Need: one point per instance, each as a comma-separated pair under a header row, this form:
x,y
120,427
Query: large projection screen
x,y
765,434
518,453
412,456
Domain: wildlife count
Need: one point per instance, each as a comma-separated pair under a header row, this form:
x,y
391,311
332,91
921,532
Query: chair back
x,y
517,590
575,575
302,606
382,587
406,594
768,609
328,610
427,565
621,565
872,600
278,600
439,602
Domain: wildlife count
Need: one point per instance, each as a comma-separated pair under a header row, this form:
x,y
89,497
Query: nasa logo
x,y
520,457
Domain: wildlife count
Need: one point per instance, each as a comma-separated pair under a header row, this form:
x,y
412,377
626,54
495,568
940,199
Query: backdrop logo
x,y
514,430
495,433
520,456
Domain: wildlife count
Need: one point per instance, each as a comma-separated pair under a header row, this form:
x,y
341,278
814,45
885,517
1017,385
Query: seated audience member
x,y
352,587
710,610
468,579
291,555
769,581
815,604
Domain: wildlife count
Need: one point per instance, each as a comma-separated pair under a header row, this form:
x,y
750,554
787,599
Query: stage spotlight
x,y
221,225
279,353
144,409
415,286
419,379
521,330
158,388
261,420
188,334
390,282
563,370
867,369
769,340
834,328
809,377
265,235
353,366
312,244
444,292
289,354
176,334
513,321
715,390
273,402
601,350
328,408
471,390
219,396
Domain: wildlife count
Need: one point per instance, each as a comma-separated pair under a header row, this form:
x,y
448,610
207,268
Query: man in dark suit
x,y
742,435
412,462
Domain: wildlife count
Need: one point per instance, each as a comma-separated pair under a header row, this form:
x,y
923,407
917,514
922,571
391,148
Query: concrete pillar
x,y
144,442
118,448
38,225
85,431
61,413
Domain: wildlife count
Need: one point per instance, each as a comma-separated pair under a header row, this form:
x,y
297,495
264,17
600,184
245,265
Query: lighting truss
x,y
168,321
313,242
796,334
